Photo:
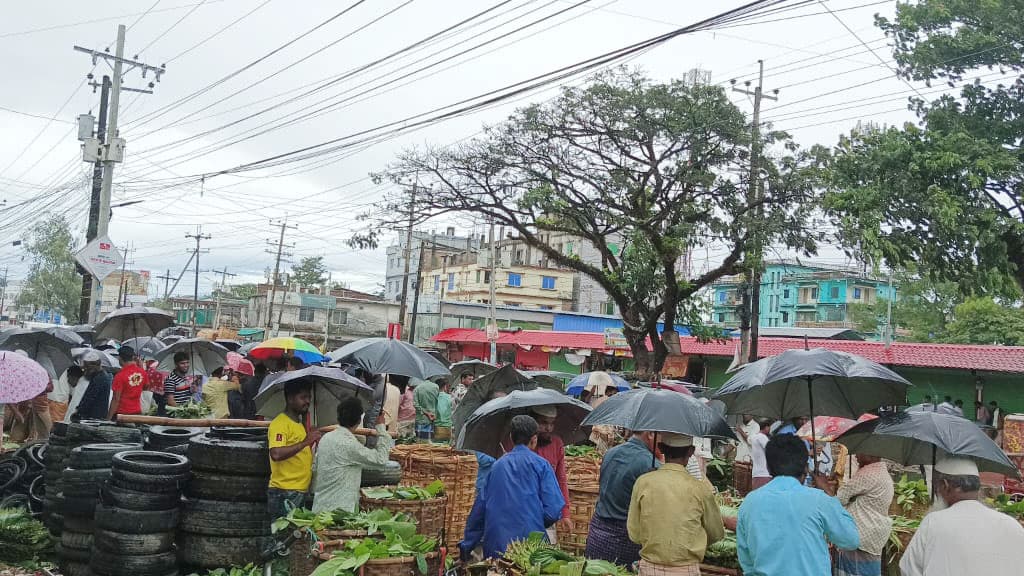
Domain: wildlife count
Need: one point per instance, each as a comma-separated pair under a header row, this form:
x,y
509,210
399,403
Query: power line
x,y
218,32
171,27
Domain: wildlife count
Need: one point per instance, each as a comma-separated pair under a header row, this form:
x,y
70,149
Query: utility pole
x,y
888,312
277,267
94,201
121,287
110,149
416,297
198,237
3,293
754,256
167,282
444,286
492,327
407,254
223,282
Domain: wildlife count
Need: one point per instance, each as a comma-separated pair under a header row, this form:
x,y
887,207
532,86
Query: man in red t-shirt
x,y
128,385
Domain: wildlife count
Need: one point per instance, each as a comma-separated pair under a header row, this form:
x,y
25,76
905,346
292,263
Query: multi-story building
x,y
800,295
120,289
334,318
436,245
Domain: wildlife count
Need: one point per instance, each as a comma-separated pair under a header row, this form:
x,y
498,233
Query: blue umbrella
x,y
580,383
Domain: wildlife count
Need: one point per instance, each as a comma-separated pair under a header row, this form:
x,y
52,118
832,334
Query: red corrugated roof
x,y
951,356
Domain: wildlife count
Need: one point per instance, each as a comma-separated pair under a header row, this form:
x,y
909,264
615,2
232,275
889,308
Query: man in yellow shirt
x,y
291,455
672,515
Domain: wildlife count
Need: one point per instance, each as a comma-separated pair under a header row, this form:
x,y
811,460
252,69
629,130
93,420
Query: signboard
x,y
99,258
614,339
492,332
394,331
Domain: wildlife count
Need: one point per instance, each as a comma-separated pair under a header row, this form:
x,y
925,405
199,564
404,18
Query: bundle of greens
x,y
910,493
433,490
582,452
723,553
1006,505
191,411
535,556
371,522
21,537
356,553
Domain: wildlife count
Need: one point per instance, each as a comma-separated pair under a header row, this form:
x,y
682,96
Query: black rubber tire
x,y
163,488
72,554
87,476
133,544
153,482
97,455
81,506
237,457
106,564
390,475
110,433
58,430
10,472
180,450
78,523
151,463
241,433
212,486
218,552
37,489
71,568
136,521
138,500
160,437
76,540
216,518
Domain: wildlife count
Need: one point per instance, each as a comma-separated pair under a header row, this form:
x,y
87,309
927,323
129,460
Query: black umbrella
x,y
244,349
654,410
389,356
923,437
232,345
133,322
500,382
145,346
107,360
330,386
550,379
86,331
203,356
477,368
488,426
50,347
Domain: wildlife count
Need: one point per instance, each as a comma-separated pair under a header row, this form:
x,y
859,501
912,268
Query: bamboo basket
x,y
401,566
719,570
582,502
582,471
303,558
425,463
742,477
429,514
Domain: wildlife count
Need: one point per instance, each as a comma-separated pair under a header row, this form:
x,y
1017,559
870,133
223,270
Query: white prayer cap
x,y
675,440
545,411
22,352
956,466
92,356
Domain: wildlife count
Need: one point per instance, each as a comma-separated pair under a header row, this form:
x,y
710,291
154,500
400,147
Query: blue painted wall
x,y
583,323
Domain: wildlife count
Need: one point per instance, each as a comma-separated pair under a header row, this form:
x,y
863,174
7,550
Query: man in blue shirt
x,y
783,526
520,496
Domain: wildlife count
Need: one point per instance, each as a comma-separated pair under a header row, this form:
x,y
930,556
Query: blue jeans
x,y
277,499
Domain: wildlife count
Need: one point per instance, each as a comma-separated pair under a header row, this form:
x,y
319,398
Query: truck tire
x,y
97,455
135,521
213,486
236,457
138,500
151,463
107,564
133,544
200,551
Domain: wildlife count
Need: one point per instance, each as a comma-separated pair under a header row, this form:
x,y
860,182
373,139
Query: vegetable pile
x,y
371,522
21,537
582,452
356,553
911,493
433,490
1006,505
191,411
534,556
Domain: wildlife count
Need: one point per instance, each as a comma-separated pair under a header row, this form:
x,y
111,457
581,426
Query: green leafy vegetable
x,y
1006,505
582,452
433,490
372,521
348,560
190,410
22,538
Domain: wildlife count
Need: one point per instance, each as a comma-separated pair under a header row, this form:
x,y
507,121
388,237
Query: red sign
x,y
394,331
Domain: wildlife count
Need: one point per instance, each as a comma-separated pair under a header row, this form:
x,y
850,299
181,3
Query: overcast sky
x,y
827,80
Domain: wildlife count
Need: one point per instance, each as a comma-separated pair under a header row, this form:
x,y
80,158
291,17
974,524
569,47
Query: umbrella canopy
x,y
925,437
498,383
286,347
596,382
477,368
203,356
649,410
107,360
550,379
247,348
171,339
828,428
330,386
145,346
50,347
812,382
389,356
489,425
86,331
232,345
21,378
133,322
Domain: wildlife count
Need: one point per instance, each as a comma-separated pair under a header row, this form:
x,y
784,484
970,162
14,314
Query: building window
x,y
515,280
785,317
306,315
513,304
339,316
834,292
856,293
721,318
547,282
451,281
546,307
814,293
785,293
477,276
721,296
437,283
487,276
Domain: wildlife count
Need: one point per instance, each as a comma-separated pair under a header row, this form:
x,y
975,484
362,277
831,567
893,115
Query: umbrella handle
x,y
814,436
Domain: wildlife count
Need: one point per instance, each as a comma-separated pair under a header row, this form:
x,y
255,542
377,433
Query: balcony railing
x,y
825,324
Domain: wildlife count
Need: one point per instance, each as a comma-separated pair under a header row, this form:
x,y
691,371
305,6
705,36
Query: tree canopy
x,y
947,193
53,282
643,172
310,272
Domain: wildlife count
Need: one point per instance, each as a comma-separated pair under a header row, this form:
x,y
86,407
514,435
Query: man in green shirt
x,y
424,399
443,423
672,515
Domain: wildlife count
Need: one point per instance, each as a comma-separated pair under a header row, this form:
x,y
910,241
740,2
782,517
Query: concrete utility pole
x,y
223,282
277,267
167,282
888,312
94,201
199,237
493,320
755,255
407,255
109,149
3,292
416,297
122,286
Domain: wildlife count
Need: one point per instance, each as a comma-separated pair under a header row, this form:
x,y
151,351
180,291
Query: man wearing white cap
x,y
672,515
961,535
551,448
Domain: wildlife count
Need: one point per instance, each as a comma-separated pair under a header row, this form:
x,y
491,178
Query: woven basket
x,y
720,571
425,463
742,477
303,559
429,514
582,502
401,566
582,471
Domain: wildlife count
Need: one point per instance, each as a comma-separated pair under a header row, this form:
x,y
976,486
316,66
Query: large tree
x,y
949,191
53,282
643,172
310,272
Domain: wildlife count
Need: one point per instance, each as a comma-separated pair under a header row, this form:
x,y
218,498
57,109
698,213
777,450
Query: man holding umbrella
x,y
291,453
552,449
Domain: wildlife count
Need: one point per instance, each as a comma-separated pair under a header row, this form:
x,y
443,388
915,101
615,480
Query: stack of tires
x,y
89,468
138,516
224,520
172,439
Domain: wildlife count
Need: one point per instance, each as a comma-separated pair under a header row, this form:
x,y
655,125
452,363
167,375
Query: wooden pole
x,y
208,422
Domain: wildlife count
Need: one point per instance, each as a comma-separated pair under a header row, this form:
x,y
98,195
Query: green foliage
x,y
372,521
723,553
279,568
348,560
1004,504
53,282
582,452
983,321
433,490
310,272
910,493
535,556
720,473
22,539
190,410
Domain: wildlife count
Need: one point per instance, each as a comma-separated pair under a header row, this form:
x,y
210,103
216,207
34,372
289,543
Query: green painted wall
x,y
556,361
